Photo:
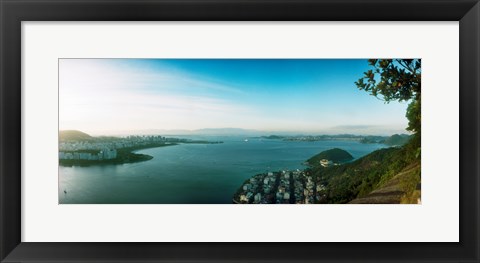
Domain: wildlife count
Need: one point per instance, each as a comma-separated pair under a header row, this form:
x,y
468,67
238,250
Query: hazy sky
x,y
108,96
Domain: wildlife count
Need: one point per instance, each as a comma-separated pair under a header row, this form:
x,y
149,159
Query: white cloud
x,y
96,96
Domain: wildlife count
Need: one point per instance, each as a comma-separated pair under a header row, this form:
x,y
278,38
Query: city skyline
x,y
114,96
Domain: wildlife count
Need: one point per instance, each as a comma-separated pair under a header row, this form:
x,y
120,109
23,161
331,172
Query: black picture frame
x,y
13,12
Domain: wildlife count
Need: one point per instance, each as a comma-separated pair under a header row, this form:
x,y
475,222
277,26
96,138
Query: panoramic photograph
x,y
239,131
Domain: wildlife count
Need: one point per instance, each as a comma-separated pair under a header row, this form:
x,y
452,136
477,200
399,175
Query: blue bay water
x,y
191,173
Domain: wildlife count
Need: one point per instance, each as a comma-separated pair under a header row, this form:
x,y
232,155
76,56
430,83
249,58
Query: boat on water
x,y
246,140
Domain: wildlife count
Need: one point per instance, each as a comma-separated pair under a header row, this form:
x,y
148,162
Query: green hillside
x,y
360,177
394,140
73,135
401,188
397,140
335,155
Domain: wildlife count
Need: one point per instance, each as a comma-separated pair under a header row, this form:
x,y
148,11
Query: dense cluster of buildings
x,y
91,155
325,162
105,149
284,187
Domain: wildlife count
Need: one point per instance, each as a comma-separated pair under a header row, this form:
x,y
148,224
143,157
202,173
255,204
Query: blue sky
x,y
318,96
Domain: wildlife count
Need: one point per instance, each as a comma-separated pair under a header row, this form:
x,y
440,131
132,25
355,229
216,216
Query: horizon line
x,y
225,131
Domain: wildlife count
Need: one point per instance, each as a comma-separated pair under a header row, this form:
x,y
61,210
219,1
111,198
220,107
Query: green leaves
x,y
395,80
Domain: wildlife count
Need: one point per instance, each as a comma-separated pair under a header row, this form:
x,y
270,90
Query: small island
x,y
330,157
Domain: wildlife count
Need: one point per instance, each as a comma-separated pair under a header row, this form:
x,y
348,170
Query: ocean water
x,y
191,173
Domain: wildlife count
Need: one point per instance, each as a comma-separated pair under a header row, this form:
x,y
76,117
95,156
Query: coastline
x,y
125,155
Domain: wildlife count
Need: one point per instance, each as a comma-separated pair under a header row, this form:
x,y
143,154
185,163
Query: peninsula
x,y
80,149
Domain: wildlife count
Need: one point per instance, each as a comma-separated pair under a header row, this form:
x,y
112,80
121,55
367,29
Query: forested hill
x,y
73,135
359,178
335,155
396,140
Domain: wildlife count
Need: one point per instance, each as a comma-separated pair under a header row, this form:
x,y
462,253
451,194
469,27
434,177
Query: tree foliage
x,y
396,80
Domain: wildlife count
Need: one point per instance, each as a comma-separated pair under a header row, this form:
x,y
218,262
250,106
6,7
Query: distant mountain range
x,y
227,131
239,132
396,139
206,131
